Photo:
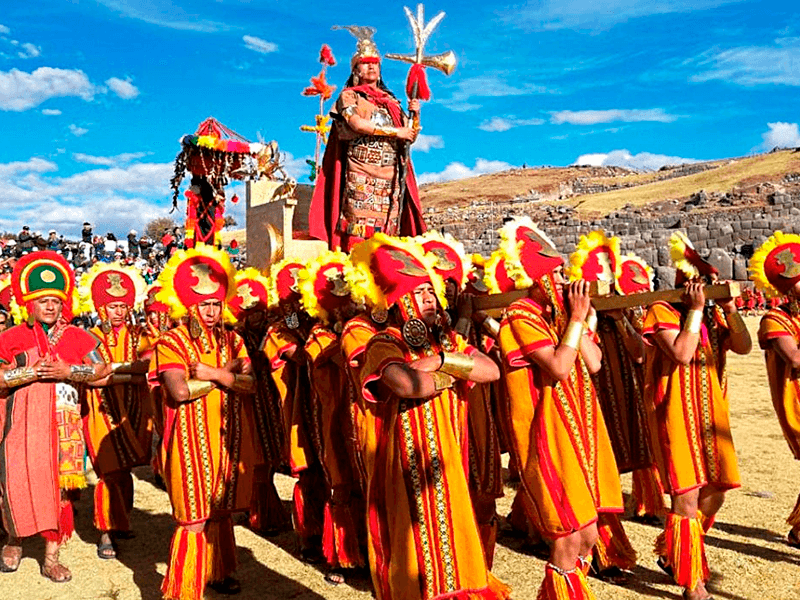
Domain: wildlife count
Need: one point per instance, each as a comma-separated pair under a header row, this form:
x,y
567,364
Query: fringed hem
x,y
340,538
647,493
684,548
613,548
185,578
72,482
564,585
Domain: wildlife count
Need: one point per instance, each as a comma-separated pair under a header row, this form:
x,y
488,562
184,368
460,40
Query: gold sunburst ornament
x,y
596,258
111,282
326,283
775,267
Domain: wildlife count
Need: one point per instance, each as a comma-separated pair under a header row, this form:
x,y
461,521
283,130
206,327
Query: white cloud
x,y
29,51
593,117
487,86
593,16
258,45
77,131
752,65
122,88
114,199
457,170
644,161
297,168
108,161
4,30
425,143
163,13
51,112
21,91
505,123
780,135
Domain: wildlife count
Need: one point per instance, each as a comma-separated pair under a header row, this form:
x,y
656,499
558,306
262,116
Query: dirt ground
x,y
746,549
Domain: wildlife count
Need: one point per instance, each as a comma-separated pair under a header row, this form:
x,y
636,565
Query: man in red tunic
x,y
39,361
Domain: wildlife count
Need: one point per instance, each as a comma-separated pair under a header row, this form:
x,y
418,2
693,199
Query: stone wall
x,y
726,237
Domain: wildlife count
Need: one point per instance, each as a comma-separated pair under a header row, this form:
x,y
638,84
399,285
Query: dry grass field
x,y
746,551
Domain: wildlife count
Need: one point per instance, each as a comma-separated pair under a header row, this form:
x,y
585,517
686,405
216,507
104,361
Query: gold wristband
x,y
81,373
19,376
116,367
457,364
441,381
591,323
492,326
694,319
198,388
572,336
386,131
735,322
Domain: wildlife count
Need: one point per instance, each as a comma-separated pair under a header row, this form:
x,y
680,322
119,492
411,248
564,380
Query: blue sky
x,y
95,94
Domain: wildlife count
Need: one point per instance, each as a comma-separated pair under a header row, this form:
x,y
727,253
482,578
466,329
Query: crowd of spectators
x,y
147,254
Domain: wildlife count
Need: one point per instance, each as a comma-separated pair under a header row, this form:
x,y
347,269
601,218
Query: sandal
x,y
792,539
334,577
12,553
106,550
614,576
662,563
54,570
227,587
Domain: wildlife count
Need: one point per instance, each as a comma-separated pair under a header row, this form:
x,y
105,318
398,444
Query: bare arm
x,y
175,383
741,343
592,354
788,350
680,346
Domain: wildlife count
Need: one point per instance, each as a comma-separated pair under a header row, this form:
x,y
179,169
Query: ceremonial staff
x,y
416,83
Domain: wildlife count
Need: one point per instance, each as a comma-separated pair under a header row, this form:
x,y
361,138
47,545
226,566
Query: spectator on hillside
x,y
25,240
39,241
133,243
53,243
86,232
145,244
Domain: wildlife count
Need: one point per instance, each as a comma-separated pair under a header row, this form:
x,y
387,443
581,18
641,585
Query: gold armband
x,y
198,388
387,131
441,381
81,373
457,364
591,323
735,322
19,376
492,326
120,366
694,319
572,336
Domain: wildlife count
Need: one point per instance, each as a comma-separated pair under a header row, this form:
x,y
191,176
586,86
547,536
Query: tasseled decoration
x,y
559,584
584,563
266,509
416,75
66,521
706,521
307,522
113,501
187,566
221,545
613,548
794,518
647,495
340,538
499,590
682,545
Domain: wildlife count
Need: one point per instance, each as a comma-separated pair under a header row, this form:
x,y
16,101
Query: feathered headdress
x,y
686,259
325,284
452,261
775,266
105,283
635,275
529,253
596,258
251,293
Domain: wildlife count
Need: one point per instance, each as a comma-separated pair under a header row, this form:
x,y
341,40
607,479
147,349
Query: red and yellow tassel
x,y
221,548
559,584
647,494
186,577
682,545
340,537
613,548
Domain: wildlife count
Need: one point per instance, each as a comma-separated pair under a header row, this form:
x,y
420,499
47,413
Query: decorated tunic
x,y
118,419
620,390
558,434
687,406
422,534
41,448
208,446
784,381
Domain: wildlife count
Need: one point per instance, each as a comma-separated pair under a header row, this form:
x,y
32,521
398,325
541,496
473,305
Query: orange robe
x,y
118,419
687,406
209,451
784,381
422,535
559,437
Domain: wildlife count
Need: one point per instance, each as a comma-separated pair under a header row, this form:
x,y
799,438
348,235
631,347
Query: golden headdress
x,y
775,266
104,283
251,292
326,284
686,260
596,258
635,275
452,261
529,253
282,282
39,274
195,275
496,277
366,50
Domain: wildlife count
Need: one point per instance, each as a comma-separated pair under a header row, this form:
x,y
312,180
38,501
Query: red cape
x,y
326,201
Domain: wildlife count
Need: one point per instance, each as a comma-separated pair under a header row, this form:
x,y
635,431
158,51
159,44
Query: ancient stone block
x,y
739,268
723,261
